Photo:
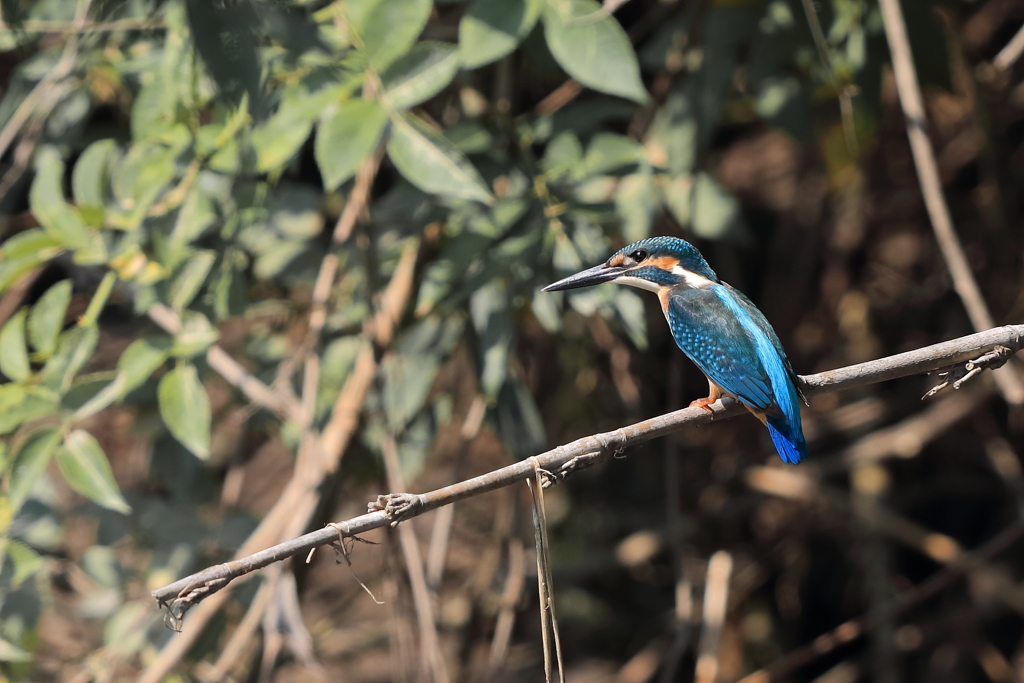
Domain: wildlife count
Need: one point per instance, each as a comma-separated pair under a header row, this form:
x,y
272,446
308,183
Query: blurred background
x,y
357,203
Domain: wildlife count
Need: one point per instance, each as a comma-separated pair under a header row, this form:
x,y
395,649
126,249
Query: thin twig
x,y
438,547
506,617
550,637
1011,53
1010,383
397,507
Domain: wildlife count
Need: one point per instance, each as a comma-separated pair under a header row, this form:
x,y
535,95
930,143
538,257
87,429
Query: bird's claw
x,y
705,405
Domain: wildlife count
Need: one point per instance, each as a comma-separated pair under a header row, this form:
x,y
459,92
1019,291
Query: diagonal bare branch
x,y
396,507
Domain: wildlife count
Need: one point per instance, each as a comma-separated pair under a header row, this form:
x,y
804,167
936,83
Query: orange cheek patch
x,y
616,260
663,262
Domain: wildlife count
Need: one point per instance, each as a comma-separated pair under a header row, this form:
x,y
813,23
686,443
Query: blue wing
x,y
708,331
734,345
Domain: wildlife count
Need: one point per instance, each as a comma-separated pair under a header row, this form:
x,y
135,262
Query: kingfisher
x,y
717,327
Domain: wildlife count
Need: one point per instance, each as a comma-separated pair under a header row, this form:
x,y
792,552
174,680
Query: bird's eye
x,y
638,255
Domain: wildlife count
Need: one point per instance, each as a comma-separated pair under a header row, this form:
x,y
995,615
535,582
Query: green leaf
x,y
347,133
225,35
47,318
20,404
420,74
196,335
46,199
23,252
25,562
632,314
672,140
491,29
407,381
470,137
29,463
185,408
91,178
9,652
154,108
592,48
196,215
432,163
520,422
86,469
494,327
702,204
14,348
281,137
144,173
386,29
638,204
608,152
190,279
141,359
75,349
562,155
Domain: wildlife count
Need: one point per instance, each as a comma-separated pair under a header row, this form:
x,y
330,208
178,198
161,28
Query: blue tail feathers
x,y
789,441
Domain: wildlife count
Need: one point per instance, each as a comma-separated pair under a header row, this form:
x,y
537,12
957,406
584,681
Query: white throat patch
x,y
639,283
692,279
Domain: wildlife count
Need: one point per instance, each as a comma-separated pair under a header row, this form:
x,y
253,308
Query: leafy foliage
x,y
198,159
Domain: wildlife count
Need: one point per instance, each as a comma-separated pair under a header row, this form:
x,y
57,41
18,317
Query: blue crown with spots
x,y
687,254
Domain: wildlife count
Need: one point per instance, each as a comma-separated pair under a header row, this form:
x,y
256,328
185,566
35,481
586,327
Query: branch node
x,y
397,507
580,462
995,358
550,478
188,597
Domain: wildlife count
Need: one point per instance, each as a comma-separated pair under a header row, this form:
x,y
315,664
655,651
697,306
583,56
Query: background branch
x,y
1010,383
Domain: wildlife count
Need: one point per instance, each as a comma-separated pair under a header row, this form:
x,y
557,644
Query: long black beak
x,y
586,278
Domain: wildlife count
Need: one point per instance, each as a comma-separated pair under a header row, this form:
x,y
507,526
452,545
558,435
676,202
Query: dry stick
x,y
507,616
430,648
311,470
1011,53
1010,383
716,602
392,508
443,523
545,585
297,495
850,630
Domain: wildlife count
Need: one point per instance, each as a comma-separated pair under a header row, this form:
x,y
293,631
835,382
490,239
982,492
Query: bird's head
x,y
652,264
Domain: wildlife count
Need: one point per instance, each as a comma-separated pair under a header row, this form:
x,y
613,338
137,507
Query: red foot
x,y
704,403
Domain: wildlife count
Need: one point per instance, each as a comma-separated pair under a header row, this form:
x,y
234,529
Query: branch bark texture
x,y
561,461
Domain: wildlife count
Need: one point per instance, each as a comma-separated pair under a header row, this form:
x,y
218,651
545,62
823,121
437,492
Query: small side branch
x,y
392,508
